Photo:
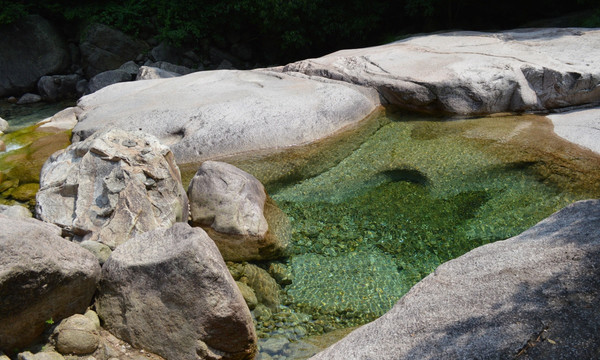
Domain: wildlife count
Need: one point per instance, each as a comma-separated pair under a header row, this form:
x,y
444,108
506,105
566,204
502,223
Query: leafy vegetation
x,y
282,30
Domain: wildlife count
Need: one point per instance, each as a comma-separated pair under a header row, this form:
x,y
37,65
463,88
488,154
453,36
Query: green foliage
x,y
11,12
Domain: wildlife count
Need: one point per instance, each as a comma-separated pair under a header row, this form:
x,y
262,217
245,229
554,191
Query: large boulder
x,y
181,301
532,296
58,87
45,53
581,127
208,114
231,205
104,48
112,186
474,73
42,277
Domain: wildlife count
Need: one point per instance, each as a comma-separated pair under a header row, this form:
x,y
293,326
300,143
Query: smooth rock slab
x,y
473,73
112,186
581,127
210,114
181,301
231,205
534,294
42,277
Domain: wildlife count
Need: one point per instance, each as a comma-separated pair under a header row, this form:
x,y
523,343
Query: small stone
x,y
91,314
29,98
76,335
12,100
101,251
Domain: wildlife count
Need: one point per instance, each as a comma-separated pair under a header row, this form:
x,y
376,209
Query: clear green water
x,y
408,195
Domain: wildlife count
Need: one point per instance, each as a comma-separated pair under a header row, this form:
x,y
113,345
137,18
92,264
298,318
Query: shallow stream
x,y
376,208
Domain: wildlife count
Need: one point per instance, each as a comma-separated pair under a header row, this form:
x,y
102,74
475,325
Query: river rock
x,y
42,277
29,98
46,52
112,186
58,87
208,114
231,205
182,302
63,120
149,73
474,73
531,296
131,67
77,335
104,48
107,78
581,127
3,125
15,211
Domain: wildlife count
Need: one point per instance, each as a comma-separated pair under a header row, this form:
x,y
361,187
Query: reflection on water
x,y
399,198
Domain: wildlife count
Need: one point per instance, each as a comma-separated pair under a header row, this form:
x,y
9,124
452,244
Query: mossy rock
x,y
25,192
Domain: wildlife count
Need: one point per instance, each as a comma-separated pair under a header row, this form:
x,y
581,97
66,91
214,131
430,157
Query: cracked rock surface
x,y
110,187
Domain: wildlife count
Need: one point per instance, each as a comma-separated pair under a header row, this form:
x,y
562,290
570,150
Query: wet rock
x,y
231,205
107,78
183,302
264,286
248,295
29,98
526,296
77,335
21,66
104,48
112,186
281,274
58,87
42,277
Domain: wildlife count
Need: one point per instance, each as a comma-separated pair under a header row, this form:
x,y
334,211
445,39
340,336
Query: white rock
x,y
581,127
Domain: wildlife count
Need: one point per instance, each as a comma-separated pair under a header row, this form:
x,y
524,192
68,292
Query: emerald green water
x,y
408,195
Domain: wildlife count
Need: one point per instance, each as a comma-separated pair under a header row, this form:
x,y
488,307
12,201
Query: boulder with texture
x,y
77,334
58,87
45,53
107,78
42,277
231,205
208,114
533,296
104,48
112,186
181,301
473,73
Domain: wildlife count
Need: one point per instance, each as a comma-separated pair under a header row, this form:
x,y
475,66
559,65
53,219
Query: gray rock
x,y
112,186
531,295
15,211
100,251
77,335
474,73
104,48
49,355
29,98
3,125
131,67
58,87
176,69
229,204
217,113
21,66
182,302
581,127
42,277
107,78
63,120
149,73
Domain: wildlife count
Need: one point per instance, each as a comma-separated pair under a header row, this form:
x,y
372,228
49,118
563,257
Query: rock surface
x,y
61,121
21,66
58,87
78,334
581,127
474,73
106,78
15,211
182,302
112,186
29,98
42,277
230,205
532,296
104,48
208,114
